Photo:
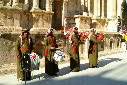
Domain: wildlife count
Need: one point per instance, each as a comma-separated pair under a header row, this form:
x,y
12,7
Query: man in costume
x,y
93,50
24,48
74,58
51,67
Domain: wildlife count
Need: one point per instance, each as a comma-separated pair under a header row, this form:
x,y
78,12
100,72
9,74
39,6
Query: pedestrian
x,y
24,48
93,49
51,67
74,58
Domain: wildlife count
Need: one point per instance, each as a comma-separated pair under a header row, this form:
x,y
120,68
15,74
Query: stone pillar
x,y
95,8
35,5
82,5
111,8
41,22
119,2
114,8
98,8
15,3
88,5
103,8
48,5
17,19
26,4
26,1
64,12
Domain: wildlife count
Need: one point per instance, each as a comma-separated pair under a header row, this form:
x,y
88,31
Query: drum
x,y
59,55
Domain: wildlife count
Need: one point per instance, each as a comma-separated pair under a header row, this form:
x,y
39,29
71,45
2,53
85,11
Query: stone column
x,y
95,8
114,8
119,2
103,8
64,12
48,5
26,4
15,2
109,8
26,1
83,5
88,5
98,8
35,5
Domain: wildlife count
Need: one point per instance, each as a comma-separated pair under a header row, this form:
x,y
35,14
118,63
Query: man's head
x,y
25,33
93,31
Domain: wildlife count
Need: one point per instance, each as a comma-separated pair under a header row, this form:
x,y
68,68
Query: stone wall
x,y
83,22
41,21
7,48
12,21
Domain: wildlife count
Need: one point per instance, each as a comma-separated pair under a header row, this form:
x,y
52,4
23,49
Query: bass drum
x,y
59,55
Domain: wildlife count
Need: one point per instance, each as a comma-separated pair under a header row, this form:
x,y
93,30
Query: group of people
x,y
25,47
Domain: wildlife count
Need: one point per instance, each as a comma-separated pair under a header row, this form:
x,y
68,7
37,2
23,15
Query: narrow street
x,y
111,71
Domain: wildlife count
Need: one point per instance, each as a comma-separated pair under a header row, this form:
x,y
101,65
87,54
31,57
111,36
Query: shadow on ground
x,y
81,79
107,61
66,70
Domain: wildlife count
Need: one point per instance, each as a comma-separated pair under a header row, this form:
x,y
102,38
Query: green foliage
x,y
124,12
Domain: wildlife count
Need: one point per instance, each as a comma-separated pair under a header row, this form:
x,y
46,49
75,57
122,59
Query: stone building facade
x,y
16,15
43,14
99,14
104,13
31,14
39,15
